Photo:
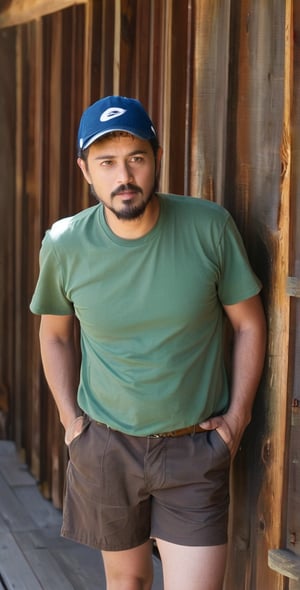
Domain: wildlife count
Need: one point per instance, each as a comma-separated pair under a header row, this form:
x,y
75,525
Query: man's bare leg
x,y
192,568
129,570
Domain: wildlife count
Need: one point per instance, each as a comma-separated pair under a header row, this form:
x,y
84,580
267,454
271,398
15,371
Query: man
x,y
151,426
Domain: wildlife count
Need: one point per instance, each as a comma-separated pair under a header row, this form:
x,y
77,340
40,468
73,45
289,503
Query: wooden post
x,y
260,148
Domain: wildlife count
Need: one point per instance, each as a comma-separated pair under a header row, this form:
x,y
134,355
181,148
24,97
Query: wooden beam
x,y
22,11
285,563
293,286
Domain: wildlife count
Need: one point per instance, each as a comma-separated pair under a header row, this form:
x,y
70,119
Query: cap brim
x,y
94,138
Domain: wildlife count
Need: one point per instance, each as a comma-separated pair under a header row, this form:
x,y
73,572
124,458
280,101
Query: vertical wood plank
x,y
7,212
279,335
178,87
165,111
52,154
18,215
143,42
100,34
126,60
27,223
107,48
293,518
34,194
156,63
210,88
117,47
259,148
75,75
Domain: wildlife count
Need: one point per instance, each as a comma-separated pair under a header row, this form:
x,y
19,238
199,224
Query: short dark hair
x,y
83,154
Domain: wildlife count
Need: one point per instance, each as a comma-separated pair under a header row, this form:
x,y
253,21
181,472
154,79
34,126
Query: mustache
x,y
123,188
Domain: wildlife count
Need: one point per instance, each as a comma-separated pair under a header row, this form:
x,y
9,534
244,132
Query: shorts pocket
x,y
219,444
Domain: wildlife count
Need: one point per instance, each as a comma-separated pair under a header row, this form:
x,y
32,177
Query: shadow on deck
x,y
33,556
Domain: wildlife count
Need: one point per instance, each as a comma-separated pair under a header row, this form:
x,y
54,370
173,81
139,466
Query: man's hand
x,y
229,428
74,429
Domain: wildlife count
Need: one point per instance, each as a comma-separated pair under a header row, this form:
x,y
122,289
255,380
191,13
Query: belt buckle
x,y
154,436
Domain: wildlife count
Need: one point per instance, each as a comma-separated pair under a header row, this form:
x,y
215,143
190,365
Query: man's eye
x,y
137,159
106,163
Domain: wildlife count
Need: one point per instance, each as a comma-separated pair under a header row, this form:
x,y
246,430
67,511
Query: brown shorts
x,y
121,490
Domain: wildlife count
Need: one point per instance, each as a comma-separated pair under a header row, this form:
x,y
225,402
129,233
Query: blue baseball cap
x,y
114,113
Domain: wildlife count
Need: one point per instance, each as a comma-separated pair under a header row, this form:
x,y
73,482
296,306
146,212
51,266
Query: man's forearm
x,y
248,321
62,374
247,365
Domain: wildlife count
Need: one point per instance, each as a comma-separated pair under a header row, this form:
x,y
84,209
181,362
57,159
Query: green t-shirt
x,y
150,311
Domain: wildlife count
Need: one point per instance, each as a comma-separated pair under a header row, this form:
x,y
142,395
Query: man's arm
x,y
249,326
61,366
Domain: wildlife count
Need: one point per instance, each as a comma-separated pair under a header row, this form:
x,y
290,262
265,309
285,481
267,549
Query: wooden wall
x,y
220,79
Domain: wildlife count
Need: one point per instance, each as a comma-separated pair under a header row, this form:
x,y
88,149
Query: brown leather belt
x,y
179,432
172,433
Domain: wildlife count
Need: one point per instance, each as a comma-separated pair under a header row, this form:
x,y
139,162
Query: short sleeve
x,y
49,296
237,280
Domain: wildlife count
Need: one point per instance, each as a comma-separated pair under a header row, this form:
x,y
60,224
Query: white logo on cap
x,y
112,113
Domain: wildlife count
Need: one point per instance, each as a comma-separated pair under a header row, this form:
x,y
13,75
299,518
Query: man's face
x,y
122,173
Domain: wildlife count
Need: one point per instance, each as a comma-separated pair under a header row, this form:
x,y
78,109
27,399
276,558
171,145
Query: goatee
x,y
129,210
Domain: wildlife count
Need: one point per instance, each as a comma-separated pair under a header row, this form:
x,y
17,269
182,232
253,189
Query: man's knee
x,y
129,570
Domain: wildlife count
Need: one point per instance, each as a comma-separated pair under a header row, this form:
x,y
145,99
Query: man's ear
x,y
83,167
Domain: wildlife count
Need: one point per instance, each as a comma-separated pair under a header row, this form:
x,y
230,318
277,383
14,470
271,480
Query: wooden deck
x,y
33,556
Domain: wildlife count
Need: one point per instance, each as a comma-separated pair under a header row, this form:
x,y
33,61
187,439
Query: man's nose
x,y
125,174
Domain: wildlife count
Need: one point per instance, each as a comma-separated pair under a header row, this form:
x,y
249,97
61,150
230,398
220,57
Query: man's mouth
x,y
126,192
